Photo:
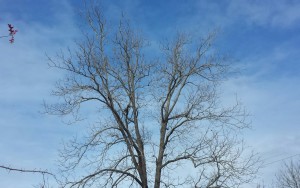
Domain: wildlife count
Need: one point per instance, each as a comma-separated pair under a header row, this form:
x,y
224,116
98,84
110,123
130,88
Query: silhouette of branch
x,y
43,172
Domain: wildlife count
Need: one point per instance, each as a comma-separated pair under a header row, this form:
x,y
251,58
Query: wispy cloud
x,y
278,14
268,87
206,15
269,90
29,139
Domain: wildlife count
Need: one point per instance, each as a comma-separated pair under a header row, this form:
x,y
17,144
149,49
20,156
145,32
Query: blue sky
x,y
263,37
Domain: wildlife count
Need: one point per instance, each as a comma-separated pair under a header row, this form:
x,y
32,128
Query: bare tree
x,y
161,122
289,175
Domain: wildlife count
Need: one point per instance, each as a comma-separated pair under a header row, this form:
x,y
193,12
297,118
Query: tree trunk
x,y
159,159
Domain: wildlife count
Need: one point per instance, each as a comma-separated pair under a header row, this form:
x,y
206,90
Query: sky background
x,y
262,36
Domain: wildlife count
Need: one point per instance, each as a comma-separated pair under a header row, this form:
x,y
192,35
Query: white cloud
x,y
207,15
280,14
271,95
29,139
